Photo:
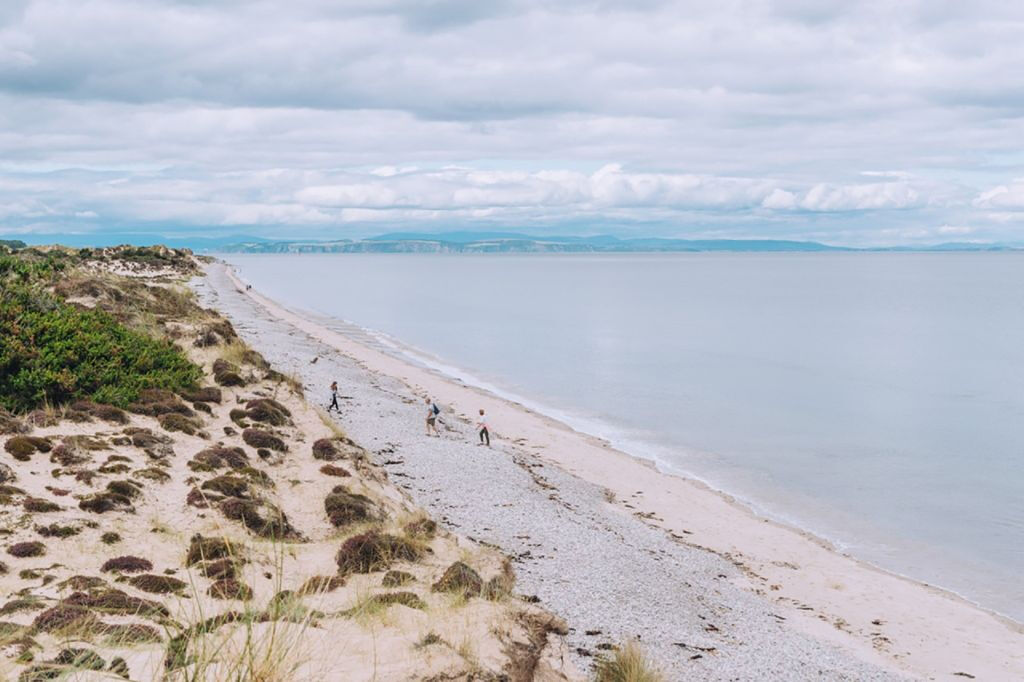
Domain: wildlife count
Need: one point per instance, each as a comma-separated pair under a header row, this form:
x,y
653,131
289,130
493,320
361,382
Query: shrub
x,y
24,550
331,470
229,486
208,549
324,449
258,438
9,424
23,447
229,588
373,551
82,582
344,508
421,528
100,503
397,579
268,411
128,489
173,421
119,603
227,373
55,530
386,599
460,578
322,583
39,505
110,538
157,584
264,519
222,569
80,659
218,456
105,412
127,564
208,394
57,353
627,664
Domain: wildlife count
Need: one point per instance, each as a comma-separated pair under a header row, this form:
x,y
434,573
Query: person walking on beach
x,y
481,426
432,411
334,397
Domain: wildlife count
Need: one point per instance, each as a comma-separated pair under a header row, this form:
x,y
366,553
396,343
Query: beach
x,y
616,547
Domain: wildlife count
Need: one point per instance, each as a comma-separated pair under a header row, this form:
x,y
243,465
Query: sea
x,y
873,399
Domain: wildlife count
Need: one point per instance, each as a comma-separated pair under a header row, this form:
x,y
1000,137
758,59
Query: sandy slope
x,y
64,600
875,617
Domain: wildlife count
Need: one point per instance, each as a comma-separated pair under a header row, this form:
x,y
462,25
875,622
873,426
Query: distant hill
x,y
503,242
477,242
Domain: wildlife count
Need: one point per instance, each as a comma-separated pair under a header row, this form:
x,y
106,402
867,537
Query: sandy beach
x,y
715,591
230,532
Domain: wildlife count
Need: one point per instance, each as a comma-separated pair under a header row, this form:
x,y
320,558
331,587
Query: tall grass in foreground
x,y
257,644
630,663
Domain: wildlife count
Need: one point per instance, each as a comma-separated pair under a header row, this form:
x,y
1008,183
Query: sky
x,y
856,123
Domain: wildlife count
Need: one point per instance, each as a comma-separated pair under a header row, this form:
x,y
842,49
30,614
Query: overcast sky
x,y
844,122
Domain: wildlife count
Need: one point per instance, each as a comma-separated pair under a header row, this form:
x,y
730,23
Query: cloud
x,y
830,120
1008,197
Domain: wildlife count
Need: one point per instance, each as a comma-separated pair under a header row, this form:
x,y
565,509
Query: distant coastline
x,y
486,242
470,242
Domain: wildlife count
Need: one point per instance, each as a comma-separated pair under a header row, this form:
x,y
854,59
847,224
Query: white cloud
x,y
782,117
1003,198
861,197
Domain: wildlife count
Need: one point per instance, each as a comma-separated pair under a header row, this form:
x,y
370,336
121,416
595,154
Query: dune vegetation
x,y
172,508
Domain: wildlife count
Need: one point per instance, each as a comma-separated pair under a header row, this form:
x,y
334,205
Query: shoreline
x,y
827,594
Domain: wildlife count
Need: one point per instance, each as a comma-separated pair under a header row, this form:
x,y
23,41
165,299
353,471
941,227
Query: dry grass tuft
x,y
629,663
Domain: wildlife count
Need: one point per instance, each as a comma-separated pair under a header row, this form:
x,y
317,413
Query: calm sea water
x,y
874,399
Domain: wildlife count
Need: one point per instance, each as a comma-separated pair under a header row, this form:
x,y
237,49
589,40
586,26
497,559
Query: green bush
x,y
53,352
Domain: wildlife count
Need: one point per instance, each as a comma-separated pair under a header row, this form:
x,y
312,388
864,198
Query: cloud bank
x,y
856,123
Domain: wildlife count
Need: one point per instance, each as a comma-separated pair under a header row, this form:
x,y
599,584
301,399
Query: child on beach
x,y
432,411
334,397
481,426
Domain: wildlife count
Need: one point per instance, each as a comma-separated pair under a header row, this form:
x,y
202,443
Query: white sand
x,y
793,606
